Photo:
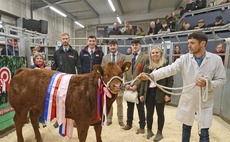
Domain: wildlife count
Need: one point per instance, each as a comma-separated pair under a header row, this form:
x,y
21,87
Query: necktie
x,y
91,53
66,50
113,58
134,60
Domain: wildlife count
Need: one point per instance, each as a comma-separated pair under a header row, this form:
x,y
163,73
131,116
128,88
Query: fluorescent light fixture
x,y
119,20
58,11
111,5
79,24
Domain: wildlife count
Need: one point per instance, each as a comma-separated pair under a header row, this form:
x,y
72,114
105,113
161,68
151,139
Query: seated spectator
x,y
220,50
187,26
213,3
127,29
218,22
34,52
224,2
158,25
200,25
152,28
115,30
128,51
171,21
164,28
182,11
12,48
200,4
190,6
140,31
177,52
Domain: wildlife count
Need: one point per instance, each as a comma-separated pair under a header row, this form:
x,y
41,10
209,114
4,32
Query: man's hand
x,y
201,82
142,99
133,88
143,76
167,98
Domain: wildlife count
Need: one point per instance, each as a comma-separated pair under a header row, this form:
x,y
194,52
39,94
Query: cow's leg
x,y
82,130
19,120
98,129
34,115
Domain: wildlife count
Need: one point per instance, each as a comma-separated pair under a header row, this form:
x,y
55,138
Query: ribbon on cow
x,y
102,93
66,125
99,98
55,103
49,96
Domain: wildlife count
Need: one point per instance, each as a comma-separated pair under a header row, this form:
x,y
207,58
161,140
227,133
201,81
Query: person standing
x,y
154,96
197,66
115,30
90,55
38,63
116,57
139,60
66,58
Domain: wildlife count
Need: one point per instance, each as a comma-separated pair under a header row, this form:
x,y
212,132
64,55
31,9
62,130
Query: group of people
x,y
11,48
194,63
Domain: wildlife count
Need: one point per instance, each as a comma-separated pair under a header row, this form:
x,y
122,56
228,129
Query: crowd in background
x,y
169,23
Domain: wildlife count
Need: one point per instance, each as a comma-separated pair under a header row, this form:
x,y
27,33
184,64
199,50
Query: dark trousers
x,y
141,113
150,105
186,133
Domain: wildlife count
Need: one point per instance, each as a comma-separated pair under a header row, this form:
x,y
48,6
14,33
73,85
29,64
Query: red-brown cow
x,y
27,92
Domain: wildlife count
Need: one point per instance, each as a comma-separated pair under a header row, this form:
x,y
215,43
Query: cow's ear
x,y
98,69
126,66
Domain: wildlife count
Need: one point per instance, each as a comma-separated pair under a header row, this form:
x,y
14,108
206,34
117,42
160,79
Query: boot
x,y
158,137
149,133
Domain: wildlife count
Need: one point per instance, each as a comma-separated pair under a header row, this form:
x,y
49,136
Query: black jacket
x,y
66,62
200,4
87,62
115,32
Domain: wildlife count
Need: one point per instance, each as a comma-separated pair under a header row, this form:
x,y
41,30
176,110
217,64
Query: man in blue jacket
x,y
90,55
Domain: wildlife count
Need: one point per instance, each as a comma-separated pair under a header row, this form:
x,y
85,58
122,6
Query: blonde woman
x,y
154,96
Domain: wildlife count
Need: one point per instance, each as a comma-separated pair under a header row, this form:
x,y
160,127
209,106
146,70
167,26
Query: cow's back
x,y
28,88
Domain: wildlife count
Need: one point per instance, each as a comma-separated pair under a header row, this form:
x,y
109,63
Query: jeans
x,y
186,133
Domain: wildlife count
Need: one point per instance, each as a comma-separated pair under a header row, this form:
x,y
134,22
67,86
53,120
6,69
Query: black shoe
x,y
158,137
127,127
149,134
140,131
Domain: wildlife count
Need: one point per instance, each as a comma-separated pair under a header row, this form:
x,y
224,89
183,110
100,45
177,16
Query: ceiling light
x,y
57,11
79,24
119,20
111,5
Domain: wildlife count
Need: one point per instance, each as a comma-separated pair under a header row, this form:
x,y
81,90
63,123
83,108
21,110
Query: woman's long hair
x,y
161,62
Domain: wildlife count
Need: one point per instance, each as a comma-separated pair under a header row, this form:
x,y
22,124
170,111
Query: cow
x,y
27,93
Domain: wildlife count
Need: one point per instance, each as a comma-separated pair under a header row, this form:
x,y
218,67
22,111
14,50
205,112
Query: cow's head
x,y
111,70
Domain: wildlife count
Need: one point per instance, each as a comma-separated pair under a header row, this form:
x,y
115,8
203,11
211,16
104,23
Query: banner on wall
x,y
8,67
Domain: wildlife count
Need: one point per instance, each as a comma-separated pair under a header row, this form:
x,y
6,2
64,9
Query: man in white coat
x,y
195,67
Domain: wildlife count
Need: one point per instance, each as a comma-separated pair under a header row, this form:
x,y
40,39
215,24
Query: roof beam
x,y
149,4
120,7
59,8
90,7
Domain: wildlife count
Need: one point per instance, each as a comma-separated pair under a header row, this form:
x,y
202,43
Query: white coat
x,y
212,67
